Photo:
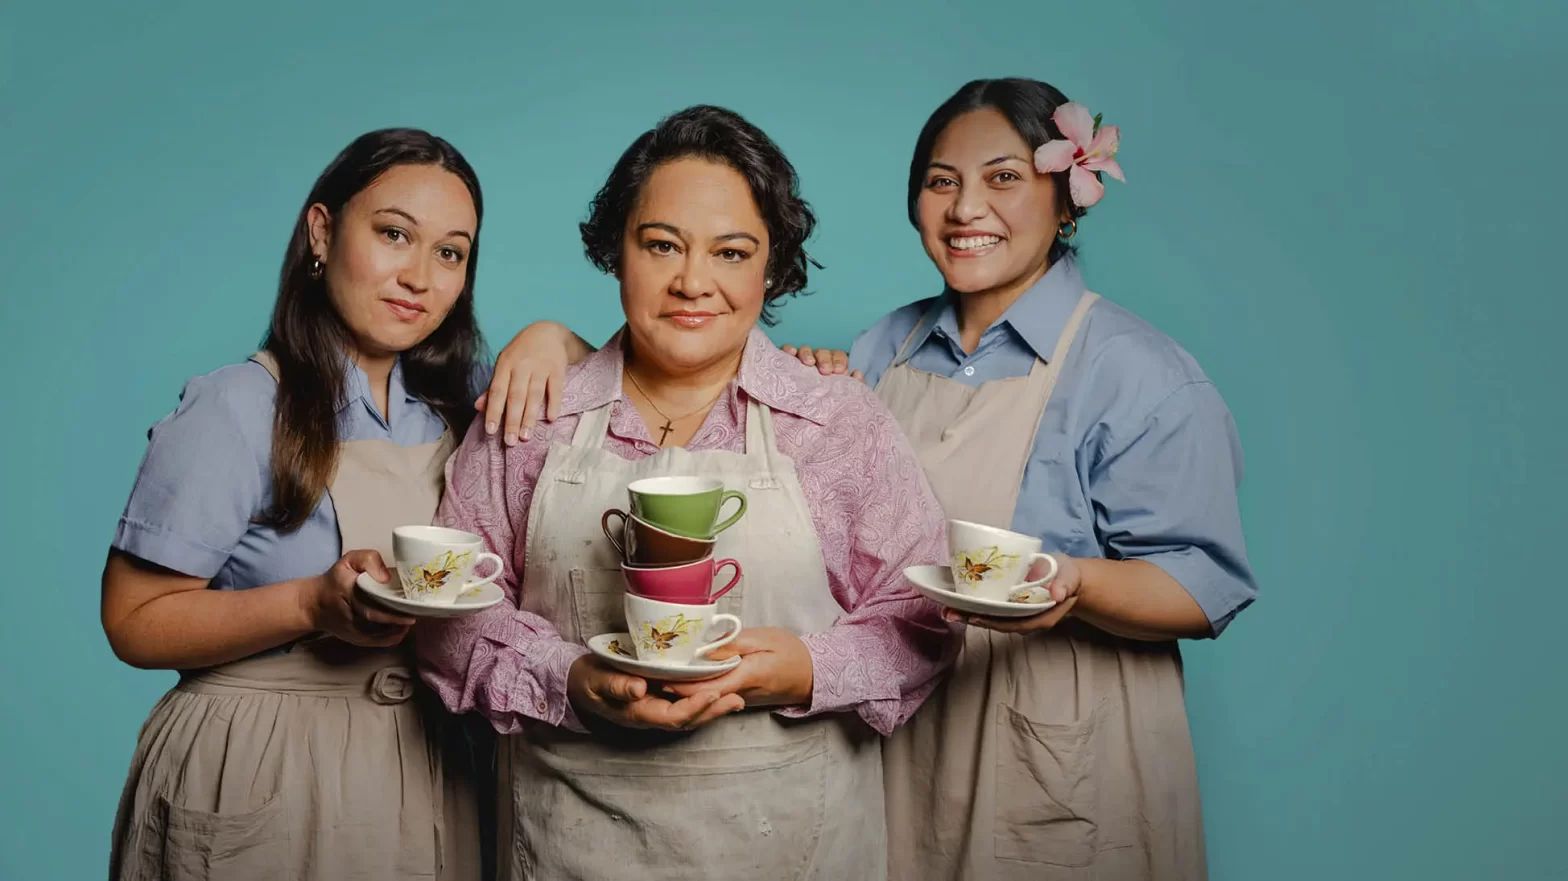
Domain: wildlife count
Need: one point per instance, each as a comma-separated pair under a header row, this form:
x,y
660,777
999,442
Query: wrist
x,y
806,683
307,602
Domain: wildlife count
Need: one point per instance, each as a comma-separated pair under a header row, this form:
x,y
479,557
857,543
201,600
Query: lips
x,y
405,310
691,319
971,242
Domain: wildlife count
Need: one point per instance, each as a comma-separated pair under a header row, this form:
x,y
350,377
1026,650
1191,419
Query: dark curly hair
x,y
1028,105
723,136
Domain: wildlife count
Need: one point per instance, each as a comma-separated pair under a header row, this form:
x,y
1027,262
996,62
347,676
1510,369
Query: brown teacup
x,y
640,543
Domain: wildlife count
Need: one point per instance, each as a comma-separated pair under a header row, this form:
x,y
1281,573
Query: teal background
x,y
1350,212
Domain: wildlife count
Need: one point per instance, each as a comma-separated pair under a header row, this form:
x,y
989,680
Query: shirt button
x,y
543,706
969,371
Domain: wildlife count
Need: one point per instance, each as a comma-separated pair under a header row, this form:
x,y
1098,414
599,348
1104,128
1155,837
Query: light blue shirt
x,y
1137,456
207,474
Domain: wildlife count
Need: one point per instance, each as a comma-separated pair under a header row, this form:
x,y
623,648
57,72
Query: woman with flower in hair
x,y
1058,747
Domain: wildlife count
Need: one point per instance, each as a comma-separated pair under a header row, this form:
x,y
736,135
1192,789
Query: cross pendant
x,y
664,431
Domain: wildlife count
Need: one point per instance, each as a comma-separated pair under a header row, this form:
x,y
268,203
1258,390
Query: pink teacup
x,y
686,583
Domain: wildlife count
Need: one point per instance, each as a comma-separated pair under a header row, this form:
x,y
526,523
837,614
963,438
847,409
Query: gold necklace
x,y
669,424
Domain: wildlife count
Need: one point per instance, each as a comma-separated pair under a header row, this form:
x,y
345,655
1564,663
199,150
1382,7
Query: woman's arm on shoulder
x,y
529,379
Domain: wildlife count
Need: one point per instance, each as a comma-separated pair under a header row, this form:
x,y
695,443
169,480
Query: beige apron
x,y
1057,756
318,763
748,796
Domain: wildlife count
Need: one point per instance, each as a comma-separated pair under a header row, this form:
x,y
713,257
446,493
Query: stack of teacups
x,y
666,547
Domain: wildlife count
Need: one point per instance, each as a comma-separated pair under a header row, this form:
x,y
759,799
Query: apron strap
x,y
593,426
762,445
927,321
267,362
1043,374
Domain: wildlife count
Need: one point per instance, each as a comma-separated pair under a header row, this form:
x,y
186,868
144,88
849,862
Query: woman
x,y
1130,464
290,747
774,769
1058,748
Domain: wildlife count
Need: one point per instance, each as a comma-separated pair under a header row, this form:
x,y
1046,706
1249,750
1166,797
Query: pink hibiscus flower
x,y
1090,147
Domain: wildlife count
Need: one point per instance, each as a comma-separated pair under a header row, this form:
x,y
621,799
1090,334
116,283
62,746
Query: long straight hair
x,y
309,339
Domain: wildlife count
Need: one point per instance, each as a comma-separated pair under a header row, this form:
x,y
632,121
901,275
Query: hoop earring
x,y
316,267
1067,230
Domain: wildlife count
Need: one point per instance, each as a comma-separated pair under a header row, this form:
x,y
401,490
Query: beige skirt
x,y
296,766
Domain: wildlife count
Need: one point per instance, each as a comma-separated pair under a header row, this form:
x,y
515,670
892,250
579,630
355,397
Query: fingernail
x,y
490,427
525,434
511,439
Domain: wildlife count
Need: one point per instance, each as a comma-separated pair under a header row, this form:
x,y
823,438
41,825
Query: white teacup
x,y
436,565
674,632
989,563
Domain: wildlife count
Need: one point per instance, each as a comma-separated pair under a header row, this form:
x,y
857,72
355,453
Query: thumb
x,y
722,653
626,688
368,561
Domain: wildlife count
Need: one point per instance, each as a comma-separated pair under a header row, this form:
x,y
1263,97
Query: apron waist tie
x,y
379,676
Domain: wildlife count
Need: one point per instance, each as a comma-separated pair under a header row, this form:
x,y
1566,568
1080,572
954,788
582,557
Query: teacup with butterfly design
x,y
989,563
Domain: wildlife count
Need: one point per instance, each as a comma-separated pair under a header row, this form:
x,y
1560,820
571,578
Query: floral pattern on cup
x,y
616,648
667,633
432,575
975,566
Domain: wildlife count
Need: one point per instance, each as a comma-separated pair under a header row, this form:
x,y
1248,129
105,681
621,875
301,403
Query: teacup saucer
x,y
605,644
391,596
935,583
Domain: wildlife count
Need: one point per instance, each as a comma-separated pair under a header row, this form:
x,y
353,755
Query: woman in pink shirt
x,y
773,769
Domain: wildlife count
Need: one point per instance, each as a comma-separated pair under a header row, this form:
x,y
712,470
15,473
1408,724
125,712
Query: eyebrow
x,y
997,161
676,231
411,219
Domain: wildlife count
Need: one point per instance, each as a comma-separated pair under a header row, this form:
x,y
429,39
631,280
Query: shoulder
x,y
1129,372
876,346
840,408
1122,352
241,395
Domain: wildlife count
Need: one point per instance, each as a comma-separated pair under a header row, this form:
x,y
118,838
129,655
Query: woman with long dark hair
x,y
294,745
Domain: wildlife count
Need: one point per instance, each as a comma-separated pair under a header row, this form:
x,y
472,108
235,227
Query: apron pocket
x,y
672,812
201,846
598,602
1046,792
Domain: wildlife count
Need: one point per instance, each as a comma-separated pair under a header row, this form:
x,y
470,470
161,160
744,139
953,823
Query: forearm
x,y
191,629
1137,600
881,666
508,666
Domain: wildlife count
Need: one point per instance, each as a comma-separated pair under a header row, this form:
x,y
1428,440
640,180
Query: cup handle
x,y
727,523
1055,568
604,523
499,568
712,598
724,640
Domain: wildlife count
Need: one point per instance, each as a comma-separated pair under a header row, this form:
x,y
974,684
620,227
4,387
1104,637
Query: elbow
x,y
128,649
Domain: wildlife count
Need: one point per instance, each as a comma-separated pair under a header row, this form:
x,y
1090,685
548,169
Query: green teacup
x,y
686,506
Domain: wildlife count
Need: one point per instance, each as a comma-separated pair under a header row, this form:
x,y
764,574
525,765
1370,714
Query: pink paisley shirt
x,y
872,506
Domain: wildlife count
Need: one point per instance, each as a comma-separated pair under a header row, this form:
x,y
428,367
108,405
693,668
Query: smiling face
x,y
692,267
396,256
987,218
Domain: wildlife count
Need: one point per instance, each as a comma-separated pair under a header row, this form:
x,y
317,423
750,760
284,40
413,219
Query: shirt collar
x,y
356,387
767,375
1038,316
